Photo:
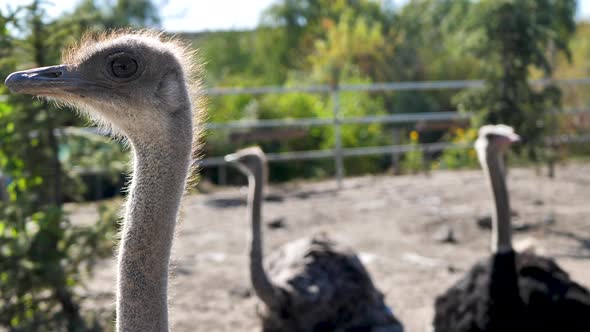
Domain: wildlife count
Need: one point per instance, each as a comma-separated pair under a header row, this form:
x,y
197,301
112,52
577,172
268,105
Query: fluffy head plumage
x,y
498,130
182,52
495,139
187,58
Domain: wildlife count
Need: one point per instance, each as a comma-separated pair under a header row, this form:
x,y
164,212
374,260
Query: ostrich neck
x,y
159,177
260,281
501,232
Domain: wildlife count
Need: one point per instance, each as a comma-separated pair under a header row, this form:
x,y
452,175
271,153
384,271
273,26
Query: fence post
x,y
337,135
222,175
426,160
395,157
3,192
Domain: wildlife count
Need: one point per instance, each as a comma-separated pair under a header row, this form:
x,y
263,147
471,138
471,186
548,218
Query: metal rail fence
x,y
338,152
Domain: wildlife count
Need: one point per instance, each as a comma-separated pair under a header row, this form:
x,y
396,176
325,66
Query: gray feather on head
x,y
500,130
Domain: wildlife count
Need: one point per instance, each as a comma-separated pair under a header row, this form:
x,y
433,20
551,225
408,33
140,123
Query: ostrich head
x,y
250,161
494,140
136,83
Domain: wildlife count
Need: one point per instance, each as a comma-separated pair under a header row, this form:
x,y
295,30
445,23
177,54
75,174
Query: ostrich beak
x,y
231,158
43,81
507,140
514,138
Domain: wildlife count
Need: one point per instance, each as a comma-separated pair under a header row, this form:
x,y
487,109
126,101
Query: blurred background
x,y
332,90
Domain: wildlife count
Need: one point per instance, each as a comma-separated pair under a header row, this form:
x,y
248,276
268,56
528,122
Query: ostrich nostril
x,y
52,74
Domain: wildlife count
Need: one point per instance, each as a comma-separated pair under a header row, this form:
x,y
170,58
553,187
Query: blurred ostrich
x,y
312,284
138,85
510,291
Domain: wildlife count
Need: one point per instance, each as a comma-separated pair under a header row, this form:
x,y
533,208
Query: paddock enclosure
x,y
396,223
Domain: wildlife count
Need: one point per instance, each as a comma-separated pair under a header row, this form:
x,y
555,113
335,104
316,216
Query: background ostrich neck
x,y
262,285
159,177
501,232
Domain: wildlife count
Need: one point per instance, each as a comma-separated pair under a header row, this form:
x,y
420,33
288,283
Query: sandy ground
x,y
392,223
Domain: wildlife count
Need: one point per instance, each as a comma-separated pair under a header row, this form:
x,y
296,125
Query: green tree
x,y
513,37
297,25
429,48
33,245
349,45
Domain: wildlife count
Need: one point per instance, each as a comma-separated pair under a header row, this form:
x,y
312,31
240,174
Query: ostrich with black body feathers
x,y
510,291
312,284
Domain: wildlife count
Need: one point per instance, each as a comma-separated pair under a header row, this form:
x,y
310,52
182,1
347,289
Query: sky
x,y
199,15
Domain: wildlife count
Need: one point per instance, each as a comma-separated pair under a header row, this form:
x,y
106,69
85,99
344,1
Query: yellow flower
x,y
327,23
471,153
414,136
460,132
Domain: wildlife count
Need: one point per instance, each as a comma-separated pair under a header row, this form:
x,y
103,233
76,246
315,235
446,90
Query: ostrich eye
x,y
123,66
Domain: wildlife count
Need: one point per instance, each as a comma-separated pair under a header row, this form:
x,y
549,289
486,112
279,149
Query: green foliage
x,y
95,166
349,41
352,41
463,156
301,105
299,24
302,43
43,257
108,14
512,37
413,161
296,105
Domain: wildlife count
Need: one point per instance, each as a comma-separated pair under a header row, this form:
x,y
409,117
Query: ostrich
x,y
138,85
510,291
312,284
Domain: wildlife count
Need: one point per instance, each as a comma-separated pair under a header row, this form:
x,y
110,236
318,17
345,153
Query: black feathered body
x,y
514,292
324,287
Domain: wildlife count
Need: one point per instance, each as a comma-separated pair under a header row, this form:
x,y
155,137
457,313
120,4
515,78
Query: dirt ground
x,y
391,221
